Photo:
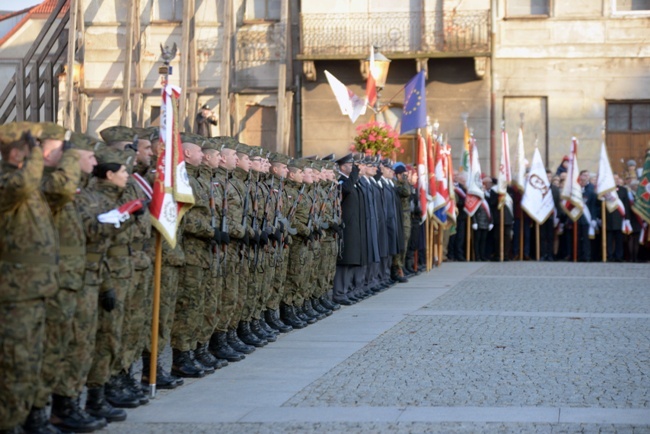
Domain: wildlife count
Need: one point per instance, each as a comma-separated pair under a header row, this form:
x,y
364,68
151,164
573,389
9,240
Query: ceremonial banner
x,y
172,193
572,192
641,205
414,114
537,200
520,160
505,175
441,196
475,194
423,176
349,103
371,84
606,186
452,209
464,159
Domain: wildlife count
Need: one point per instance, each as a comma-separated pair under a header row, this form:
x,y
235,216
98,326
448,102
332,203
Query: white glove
x,y
490,227
475,226
627,227
114,217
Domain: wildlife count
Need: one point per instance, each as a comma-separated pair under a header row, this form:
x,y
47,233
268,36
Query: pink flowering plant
x,y
376,138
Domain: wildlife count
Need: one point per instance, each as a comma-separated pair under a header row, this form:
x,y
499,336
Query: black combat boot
x,y
163,379
38,423
221,350
133,386
289,316
67,416
248,337
274,321
328,303
257,329
206,369
266,327
319,307
118,395
309,310
97,406
183,365
237,344
204,357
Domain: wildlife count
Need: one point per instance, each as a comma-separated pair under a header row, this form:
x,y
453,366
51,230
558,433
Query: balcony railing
x,y
350,35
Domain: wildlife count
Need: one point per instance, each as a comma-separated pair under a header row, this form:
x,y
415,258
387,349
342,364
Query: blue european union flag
x,y
415,105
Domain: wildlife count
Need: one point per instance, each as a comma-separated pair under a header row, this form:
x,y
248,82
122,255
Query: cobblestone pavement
x,y
502,347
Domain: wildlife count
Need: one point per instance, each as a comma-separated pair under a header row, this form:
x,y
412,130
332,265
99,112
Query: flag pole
x,y
502,239
603,232
440,244
537,240
153,362
575,241
468,237
521,234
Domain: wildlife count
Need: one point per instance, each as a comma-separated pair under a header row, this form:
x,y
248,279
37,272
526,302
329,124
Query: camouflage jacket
x,y
301,214
142,245
60,185
236,195
28,247
198,230
404,189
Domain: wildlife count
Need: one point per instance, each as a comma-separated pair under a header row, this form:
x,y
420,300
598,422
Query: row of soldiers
x,y
255,256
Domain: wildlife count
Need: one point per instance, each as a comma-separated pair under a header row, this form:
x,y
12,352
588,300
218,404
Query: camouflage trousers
x,y
213,289
265,274
252,287
108,340
326,266
136,317
297,271
189,307
315,269
400,258
22,331
230,288
79,357
169,275
59,314
243,271
280,262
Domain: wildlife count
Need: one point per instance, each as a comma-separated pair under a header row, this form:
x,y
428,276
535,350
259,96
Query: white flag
x,y
538,197
572,191
520,174
475,193
606,186
505,175
349,103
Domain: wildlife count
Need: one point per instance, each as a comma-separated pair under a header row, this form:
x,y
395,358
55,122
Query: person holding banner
x,y
618,222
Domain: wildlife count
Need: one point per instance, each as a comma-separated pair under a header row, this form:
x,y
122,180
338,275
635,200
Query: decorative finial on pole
x,y
167,56
521,118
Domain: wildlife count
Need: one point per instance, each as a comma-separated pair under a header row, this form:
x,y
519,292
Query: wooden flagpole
x,y
575,241
441,244
468,237
603,231
153,362
502,239
537,240
521,236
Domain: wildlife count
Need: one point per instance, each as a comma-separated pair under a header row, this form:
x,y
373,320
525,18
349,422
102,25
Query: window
x,y
262,10
634,116
527,8
169,10
155,116
631,6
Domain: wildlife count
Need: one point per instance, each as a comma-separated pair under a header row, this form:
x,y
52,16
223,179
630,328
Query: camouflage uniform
x,y
59,186
197,233
297,267
28,276
281,255
403,190
257,197
325,278
266,267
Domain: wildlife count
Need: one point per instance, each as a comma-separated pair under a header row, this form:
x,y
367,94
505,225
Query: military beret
x,y
316,165
49,130
13,133
345,159
329,165
117,133
211,144
311,157
276,157
242,148
107,155
187,137
149,133
84,142
298,163
399,168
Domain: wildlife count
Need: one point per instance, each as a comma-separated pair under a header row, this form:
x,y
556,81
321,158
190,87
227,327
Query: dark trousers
x,y
480,244
614,245
584,243
456,248
546,237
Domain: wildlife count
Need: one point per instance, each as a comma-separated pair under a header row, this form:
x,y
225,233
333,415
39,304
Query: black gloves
x,y
225,238
31,141
245,239
216,237
108,300
264,238
255,239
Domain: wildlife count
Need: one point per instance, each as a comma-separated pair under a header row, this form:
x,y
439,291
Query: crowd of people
x,y
271,244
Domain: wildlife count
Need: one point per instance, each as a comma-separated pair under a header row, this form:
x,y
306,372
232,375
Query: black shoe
x,y
97,406
221,350
67,416
289,316
38,423
118,396
309,310
15,430
302,315
267,328
248,337
344,301
183,365
206,369
133,386
274,321
204,357
318,307
237,344
164,381
257,329
329,304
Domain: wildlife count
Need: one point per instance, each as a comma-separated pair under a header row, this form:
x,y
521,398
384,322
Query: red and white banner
x,y
606,186
475,193
505,175
349,103
572,191
423,176
371,84
172,193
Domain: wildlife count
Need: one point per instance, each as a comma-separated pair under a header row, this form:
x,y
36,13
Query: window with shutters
x,y
631,7
628,132
167,10
528,8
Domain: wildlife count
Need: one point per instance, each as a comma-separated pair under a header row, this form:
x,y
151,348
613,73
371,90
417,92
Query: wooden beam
x,y
193,69
126,117
34,90
20,92
68,121
48,97
282,80
224,104
188,14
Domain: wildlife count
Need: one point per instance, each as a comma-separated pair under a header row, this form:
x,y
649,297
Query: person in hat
x,y
28,255
374,222
204,119
564,166
393,213
404,182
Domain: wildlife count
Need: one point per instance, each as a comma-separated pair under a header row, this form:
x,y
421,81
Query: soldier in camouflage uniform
x,y
224,343
138,154
60,181
404,189
278,173
28,274
197,234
